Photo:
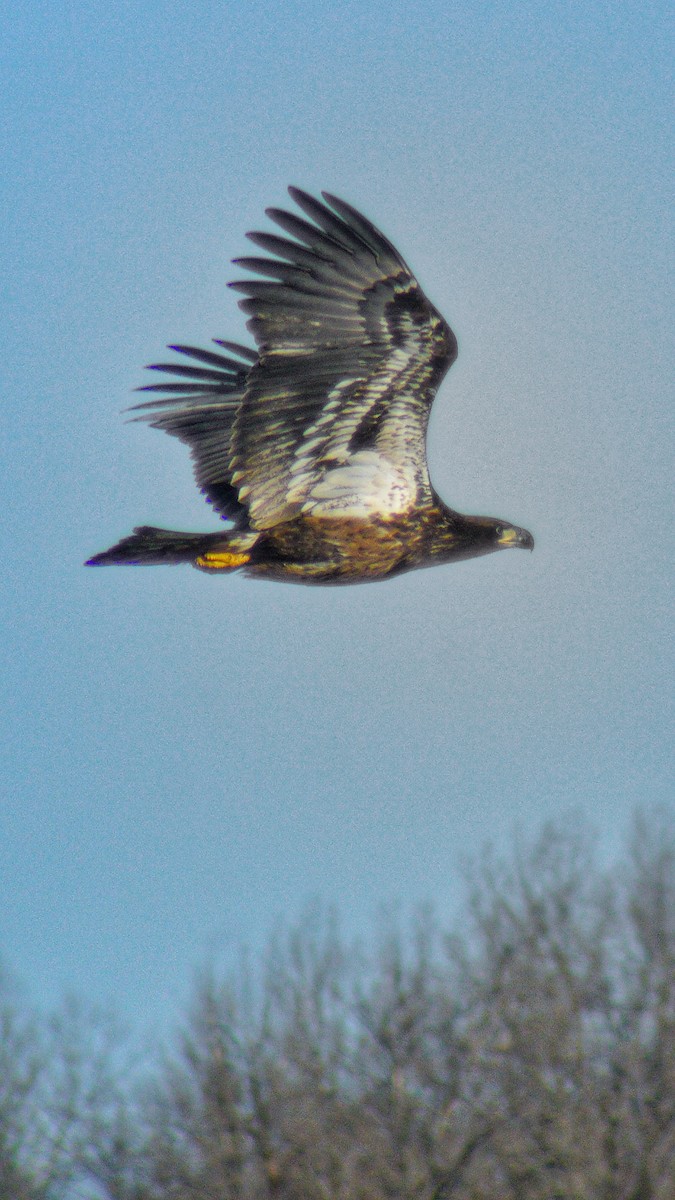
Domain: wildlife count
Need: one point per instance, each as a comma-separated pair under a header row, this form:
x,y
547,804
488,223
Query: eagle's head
x,y
506,535
483,535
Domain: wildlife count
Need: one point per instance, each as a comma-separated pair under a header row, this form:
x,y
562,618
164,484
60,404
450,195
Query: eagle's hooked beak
x,y
513,536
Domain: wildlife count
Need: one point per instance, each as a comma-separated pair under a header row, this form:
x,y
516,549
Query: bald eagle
x,y
313,446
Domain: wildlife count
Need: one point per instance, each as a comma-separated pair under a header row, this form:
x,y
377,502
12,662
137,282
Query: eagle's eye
x,y
499,529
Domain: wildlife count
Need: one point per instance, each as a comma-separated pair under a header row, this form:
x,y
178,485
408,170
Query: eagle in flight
x,y
313,447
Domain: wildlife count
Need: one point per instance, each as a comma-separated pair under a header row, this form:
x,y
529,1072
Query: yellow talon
x,y
222,560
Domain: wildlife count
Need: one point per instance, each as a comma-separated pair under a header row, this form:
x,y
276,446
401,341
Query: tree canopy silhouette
x,y
528,1054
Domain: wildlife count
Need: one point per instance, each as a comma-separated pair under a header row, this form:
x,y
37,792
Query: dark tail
x,y
149,545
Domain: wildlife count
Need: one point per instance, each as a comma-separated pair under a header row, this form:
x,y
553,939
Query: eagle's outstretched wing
x,y
330,419
351,352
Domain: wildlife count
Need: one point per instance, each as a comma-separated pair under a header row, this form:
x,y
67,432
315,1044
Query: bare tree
x,y
63,1109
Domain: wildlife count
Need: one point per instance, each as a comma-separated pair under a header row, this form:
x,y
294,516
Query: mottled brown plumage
x,y
314,447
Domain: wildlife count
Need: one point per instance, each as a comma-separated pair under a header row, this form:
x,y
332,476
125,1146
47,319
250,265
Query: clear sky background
x,y
187,759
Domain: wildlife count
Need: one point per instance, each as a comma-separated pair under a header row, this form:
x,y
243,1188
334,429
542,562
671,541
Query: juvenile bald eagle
x,y
313,447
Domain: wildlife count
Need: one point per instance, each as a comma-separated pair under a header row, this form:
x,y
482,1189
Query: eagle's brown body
x,y
313,448
316,550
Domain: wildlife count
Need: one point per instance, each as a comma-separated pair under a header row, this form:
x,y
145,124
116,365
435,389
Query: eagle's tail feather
x,y
210,551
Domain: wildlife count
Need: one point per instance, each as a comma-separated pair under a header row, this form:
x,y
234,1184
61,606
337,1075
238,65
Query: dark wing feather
x,y
201,412
351,352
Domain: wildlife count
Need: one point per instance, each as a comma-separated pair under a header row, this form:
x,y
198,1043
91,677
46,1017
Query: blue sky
x,y
189,760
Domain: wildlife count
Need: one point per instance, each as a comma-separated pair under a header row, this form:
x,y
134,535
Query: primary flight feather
x,y
313,447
